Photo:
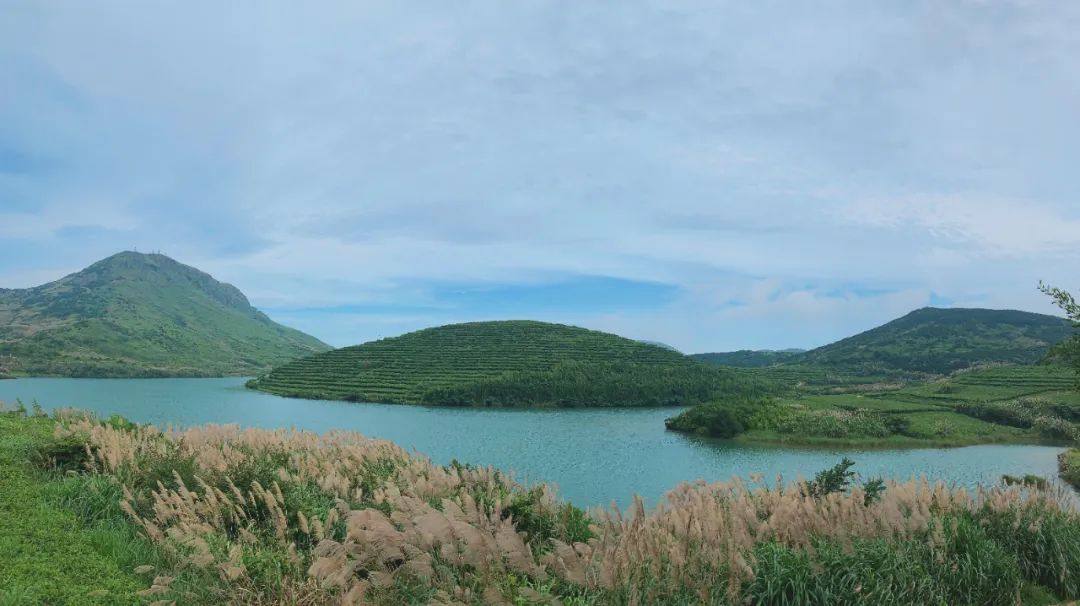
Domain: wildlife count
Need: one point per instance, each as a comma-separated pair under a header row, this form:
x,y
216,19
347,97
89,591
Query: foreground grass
x,y
217,515
47,556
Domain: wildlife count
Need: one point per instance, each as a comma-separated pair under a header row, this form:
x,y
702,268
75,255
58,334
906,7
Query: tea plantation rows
x,y
465,364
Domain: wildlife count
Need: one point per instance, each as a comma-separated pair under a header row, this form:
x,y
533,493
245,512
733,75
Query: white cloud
x,y
318,157
981,224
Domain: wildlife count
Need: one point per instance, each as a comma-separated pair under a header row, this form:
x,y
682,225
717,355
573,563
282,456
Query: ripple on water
x,y
595,456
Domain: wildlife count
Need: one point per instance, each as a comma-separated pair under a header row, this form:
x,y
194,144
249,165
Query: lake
x,y
594,456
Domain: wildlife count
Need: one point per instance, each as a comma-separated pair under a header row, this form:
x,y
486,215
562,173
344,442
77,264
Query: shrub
x,y
1069,466
343,519
724,419
62,454
837,423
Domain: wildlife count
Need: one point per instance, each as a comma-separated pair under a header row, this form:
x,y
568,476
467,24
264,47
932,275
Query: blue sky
x,y
714,175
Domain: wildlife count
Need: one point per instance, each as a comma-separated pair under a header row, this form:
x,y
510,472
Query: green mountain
x,y
940,341
928,341
513,363
749,358
136,315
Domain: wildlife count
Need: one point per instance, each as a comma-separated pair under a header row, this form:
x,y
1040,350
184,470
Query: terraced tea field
x,y
957,410
998,383
501,363
810,378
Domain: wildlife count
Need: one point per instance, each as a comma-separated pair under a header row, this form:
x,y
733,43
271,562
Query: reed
x,y
284,516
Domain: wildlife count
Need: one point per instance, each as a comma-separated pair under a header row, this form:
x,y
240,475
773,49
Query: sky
x,y
712,175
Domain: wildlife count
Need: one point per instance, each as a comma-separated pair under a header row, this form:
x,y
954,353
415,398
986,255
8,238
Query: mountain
x,y
749,358
508,363
933,341
137,314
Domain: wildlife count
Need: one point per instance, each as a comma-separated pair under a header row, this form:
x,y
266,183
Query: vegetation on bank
x,y
138,315
1068,351
1001,404
223,515
1069,466
513,363
49,555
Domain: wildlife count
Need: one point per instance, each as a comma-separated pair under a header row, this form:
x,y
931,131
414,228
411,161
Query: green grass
x,y
925,429
46,555
65,540
998,383
1024,404
863,402
141,315
514,363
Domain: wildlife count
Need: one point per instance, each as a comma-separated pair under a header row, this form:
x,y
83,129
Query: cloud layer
x,y
710,174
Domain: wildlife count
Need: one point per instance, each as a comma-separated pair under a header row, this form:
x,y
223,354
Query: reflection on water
x,y
595,456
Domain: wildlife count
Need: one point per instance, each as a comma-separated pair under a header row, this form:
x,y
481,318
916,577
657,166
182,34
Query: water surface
x,y
594,456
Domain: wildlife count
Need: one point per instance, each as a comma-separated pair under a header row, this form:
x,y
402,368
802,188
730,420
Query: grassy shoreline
x,y
222,515
1069,467
766,438
49,555
1001,405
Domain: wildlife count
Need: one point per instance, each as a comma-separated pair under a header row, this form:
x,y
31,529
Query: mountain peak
x,y
934,340
139,314
155,269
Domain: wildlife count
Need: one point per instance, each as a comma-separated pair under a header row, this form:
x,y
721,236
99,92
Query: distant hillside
x,y
749,358
135,314
515,363
659,344
940,341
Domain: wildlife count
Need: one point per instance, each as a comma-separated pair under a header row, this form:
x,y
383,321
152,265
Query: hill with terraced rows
x,y
507,363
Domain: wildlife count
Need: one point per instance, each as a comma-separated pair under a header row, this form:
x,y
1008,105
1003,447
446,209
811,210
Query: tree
x,y
1068,350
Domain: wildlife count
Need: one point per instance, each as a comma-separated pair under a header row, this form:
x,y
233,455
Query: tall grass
x,y
223,514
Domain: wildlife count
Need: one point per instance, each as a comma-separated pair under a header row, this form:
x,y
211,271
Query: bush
x,y
720,419
1045,543
62,455
1069,466
837,423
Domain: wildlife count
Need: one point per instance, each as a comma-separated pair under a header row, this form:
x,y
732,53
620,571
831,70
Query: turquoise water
x,y
594,456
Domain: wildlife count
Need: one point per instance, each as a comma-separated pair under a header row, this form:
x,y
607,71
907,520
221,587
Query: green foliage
x,y
725,418
1069,466
714,419
748,358
63,454
999,404
1067,351
540,523
838,423
934,341
517,363
1028,480
980,571
48,556
1046,544
872,490
835,479
136,315
839,478
66,541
